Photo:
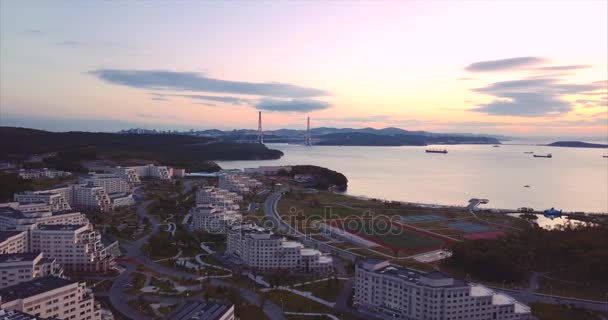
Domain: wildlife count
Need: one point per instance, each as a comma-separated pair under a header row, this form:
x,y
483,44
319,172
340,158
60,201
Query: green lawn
x,y
326,290
295,303
561,312
384,233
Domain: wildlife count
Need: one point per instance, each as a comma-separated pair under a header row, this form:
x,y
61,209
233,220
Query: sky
x,y
512,68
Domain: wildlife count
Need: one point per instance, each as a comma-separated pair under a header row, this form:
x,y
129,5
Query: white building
x,y
20,267
260,248
50,297
238,183
13,242
16,216
178,173
77,248
129,174
121,200
399,293
218,197
81,196
111,183
56,200
213,219
153,171
33,174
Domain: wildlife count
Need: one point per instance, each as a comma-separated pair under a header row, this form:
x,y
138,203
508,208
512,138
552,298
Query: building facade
x,y
15,216
77,248
238,183
21,267
400,293
111,183
33,174
259,248
13,242
84,197
213,219
218,197
51,297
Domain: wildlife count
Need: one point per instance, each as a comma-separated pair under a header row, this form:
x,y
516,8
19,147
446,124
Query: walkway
x,y
119,299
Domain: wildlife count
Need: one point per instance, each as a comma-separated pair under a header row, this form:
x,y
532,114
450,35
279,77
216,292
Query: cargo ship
x,y
543,155
436,151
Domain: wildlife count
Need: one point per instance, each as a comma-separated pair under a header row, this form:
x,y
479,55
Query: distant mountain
x,y
370,139
179,150
365,136
577,144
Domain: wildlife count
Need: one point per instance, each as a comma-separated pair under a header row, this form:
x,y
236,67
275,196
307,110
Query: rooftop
x,y
7,234
61,227
33,287
200,311
17,315
16,257
416,277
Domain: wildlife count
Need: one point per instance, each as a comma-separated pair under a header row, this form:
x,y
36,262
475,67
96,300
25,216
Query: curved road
x,y
119,299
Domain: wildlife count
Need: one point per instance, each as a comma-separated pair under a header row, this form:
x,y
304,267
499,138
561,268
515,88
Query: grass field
x,y
561,312
326,290
388,234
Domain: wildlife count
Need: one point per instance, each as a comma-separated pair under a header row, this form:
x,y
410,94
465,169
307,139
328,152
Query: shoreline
x,y
446,206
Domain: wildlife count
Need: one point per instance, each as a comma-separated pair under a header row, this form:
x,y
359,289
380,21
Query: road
x,y
119,298
270,212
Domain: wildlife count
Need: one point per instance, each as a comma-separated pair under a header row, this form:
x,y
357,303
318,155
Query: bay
x,y
574,179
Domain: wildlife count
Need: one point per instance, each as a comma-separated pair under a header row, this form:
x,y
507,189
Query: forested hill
x,y
577,144
177,150
370,139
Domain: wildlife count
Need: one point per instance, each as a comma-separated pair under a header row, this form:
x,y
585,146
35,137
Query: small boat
x,y
528,152
496,146
543,155
527,186
605,156
436,151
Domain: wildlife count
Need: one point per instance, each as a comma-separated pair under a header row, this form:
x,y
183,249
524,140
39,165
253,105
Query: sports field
x,y
388,234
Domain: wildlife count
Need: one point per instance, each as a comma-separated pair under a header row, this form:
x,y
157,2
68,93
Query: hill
x,y
370,139
577,144
189,152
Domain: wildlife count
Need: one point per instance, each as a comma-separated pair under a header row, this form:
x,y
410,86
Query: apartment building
x,y
218,197
111,183
260,248
16,216
56,200
78,248
21,267
50,297
401,293
33,174
213,219
13,242
199,310
16,315
84,197
153,171
238,183
128,174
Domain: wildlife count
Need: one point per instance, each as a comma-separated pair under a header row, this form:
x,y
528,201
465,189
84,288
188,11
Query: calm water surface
x,y
574,179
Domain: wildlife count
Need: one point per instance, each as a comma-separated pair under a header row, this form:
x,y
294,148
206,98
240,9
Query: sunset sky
x,y
513,68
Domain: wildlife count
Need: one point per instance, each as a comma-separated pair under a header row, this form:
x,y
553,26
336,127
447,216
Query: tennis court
x,y
468,227
421,218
